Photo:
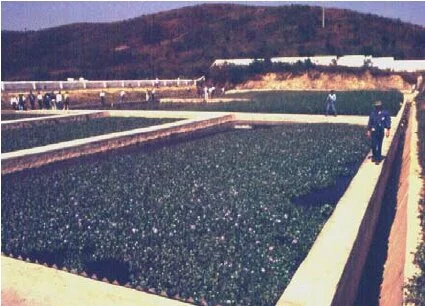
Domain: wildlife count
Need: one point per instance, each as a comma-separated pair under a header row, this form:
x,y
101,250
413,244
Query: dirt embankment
x,y
326,81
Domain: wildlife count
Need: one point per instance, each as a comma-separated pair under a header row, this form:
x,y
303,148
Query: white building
x,y
235,61
353,60
383,63
325,60
409,65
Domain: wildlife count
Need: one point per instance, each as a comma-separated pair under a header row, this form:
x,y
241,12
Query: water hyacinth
x,y
17,139
212,219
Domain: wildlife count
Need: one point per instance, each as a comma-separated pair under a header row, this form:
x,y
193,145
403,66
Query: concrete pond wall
x,y
36,157
405,233
331,272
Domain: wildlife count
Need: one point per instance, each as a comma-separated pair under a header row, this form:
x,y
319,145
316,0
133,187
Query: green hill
x,y
184,42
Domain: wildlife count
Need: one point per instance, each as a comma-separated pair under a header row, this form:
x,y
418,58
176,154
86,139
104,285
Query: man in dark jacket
x,y
378,125
31,97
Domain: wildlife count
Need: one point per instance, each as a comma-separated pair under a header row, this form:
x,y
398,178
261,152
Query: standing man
x,y
40,100
59,100
205,93
66,101
14,102
153,92
122,95
53,100
102,97
330,103
47,100
379,121
21,102
31,97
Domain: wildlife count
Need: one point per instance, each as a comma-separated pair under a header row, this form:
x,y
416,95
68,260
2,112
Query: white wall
x,y
352,60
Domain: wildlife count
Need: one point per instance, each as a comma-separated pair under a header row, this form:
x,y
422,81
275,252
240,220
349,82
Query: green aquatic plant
x,y
211,218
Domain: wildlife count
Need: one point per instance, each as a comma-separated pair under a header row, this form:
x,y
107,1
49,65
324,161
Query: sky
x,y
36,15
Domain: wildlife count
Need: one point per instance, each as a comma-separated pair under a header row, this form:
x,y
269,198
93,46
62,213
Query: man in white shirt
x,y
59,99
102,97
330,103
122,95
40,100
14,102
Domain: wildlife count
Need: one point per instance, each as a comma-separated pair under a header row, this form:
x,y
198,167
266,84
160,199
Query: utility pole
x,y
323,16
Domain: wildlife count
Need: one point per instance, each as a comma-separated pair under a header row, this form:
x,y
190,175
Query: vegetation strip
x,y
212,218
17,116
24,138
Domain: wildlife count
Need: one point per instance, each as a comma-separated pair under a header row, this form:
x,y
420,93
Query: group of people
x,y
379,125
102,96
50,100
208,92
149,96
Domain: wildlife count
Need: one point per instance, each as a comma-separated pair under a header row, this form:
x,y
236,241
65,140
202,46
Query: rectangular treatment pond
x,y
41,135
213,218
67,150
352,103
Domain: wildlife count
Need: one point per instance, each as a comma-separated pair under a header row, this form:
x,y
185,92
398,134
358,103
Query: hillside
x,y
184,42
317,80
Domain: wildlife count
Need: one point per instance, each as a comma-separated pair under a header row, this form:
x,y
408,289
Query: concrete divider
x,y
24,284
272,119
36,157
331,272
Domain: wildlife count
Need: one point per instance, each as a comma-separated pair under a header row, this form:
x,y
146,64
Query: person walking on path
x,y
102,97
378,125
330,103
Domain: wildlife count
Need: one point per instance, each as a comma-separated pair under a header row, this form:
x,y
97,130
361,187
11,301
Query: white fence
x,y
83,84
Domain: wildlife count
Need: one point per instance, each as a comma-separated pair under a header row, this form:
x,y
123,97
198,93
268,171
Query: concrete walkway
x,y
28,284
